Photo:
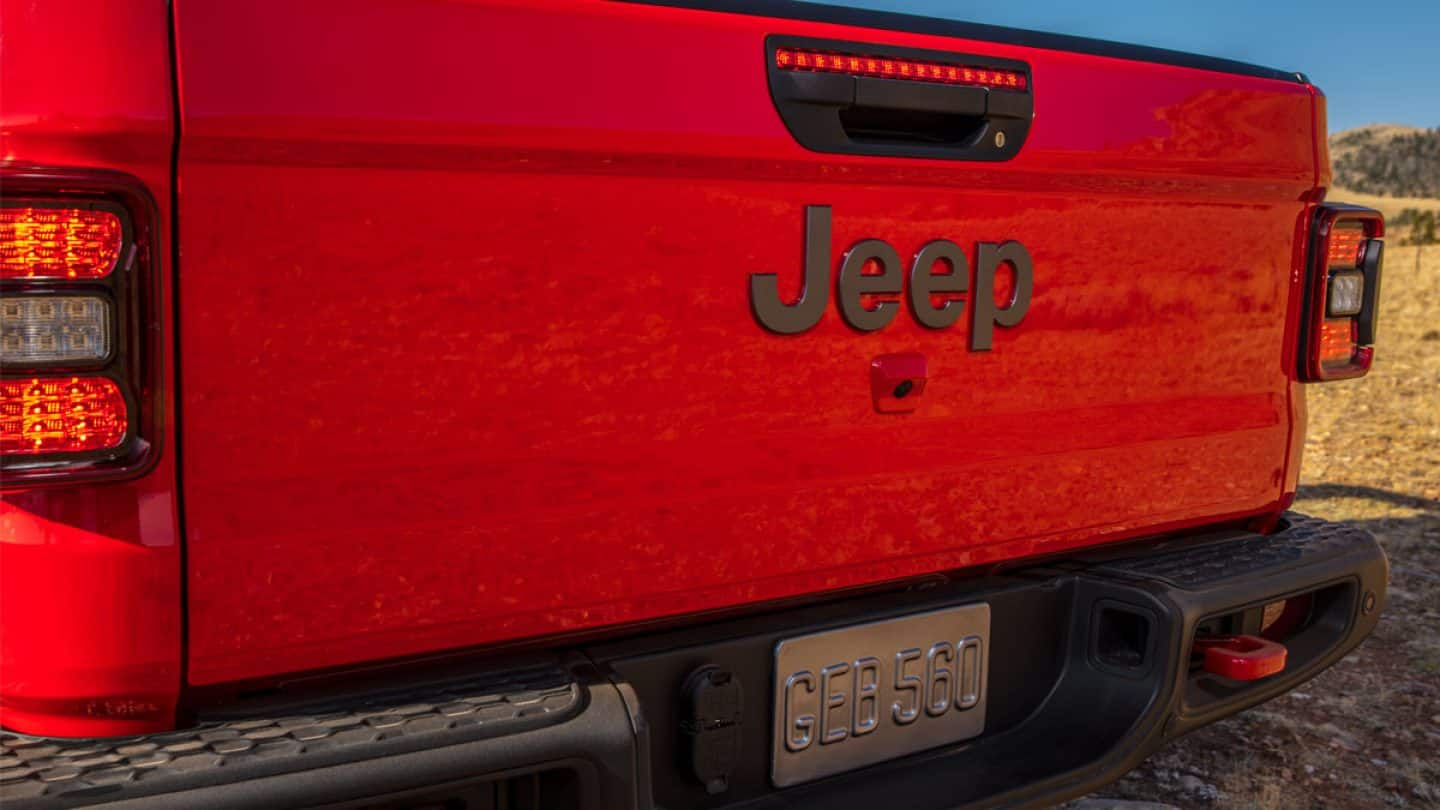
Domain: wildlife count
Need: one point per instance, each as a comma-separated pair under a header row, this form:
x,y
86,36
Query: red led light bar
x,y
1344,246
885,67
60,415
60,243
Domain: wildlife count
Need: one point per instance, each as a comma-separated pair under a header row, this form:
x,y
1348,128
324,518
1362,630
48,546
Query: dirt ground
x,y
1367,732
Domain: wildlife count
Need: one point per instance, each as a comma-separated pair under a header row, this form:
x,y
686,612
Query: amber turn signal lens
x,y
60,415
58,243
1344,245
1337,342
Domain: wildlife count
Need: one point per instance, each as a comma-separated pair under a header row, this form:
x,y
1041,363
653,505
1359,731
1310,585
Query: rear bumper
x,y
600,727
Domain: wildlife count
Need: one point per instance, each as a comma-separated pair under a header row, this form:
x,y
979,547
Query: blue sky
x,y
1378,62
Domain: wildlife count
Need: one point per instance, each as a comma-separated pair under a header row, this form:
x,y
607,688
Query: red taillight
x,y
76,320
61,415
889,67
1342,293
58,242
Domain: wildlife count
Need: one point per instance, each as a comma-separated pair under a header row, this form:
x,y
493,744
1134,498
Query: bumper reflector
x,y
60,415
58,243
39,329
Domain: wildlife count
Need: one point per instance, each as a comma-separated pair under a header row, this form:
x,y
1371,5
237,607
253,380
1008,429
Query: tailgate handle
x,y
871,100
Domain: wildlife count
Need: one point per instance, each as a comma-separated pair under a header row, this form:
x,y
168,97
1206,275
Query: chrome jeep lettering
x,y
789,319
926,283
987,315
936,300
855,283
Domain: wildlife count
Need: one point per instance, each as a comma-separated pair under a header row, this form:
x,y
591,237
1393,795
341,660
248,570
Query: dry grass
x,y
1365,734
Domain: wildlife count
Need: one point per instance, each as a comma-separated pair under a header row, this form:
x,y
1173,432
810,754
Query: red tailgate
x,y
468,353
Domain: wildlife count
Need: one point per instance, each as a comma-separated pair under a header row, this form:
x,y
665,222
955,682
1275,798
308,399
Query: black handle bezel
x,y
810,103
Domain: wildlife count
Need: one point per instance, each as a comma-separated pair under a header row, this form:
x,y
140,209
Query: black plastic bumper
x,y
1090,673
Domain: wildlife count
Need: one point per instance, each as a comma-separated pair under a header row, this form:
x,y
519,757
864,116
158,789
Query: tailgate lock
x,y
897,381
710,720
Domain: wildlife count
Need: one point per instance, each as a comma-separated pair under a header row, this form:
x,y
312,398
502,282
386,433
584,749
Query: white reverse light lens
x,y
40,329
1346,293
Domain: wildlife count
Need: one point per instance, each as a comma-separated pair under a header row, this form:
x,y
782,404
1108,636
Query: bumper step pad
x,y
305,736
1195,566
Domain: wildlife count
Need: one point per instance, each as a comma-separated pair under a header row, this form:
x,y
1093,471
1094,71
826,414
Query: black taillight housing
x,y
1342,293
79,327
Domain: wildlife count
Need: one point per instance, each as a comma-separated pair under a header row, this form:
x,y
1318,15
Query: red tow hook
x,y
1241,658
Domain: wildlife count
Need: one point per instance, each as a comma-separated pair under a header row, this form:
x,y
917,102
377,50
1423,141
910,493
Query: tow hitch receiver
x,y
1241,658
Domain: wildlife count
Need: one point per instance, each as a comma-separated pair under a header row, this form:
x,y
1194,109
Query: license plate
x,y
859,695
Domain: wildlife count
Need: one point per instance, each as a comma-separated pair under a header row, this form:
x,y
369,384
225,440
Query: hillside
x,y
1393,208
1387,159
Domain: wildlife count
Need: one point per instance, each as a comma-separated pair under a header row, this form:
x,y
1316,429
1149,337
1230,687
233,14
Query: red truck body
x,y
455,350
480,332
